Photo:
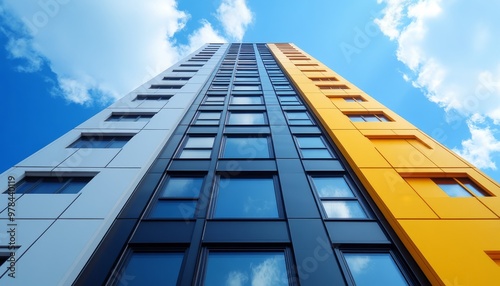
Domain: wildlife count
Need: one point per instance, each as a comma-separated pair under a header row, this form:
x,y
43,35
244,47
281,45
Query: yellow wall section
x,y
456,241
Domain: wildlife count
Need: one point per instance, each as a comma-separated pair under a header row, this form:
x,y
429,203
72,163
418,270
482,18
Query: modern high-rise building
x,y
248,164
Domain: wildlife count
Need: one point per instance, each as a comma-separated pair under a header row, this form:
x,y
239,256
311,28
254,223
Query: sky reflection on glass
x,y
373,269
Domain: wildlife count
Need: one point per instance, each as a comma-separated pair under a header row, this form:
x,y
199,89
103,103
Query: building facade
x,y
248,164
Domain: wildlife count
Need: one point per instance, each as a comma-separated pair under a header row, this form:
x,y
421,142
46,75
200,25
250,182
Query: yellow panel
x,y
358,149
426,188
395,194
333,118
400,153
451,252
459,208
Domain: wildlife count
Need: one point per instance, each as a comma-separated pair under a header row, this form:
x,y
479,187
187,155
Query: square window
x,y
182,187
343,209
197,148
245,87
246,118
332,187
208,118
246,147
246,100
379,117
459,187
246,268
313,147
152,268
374,269
101,141
246,198
214,100
298,118
51,185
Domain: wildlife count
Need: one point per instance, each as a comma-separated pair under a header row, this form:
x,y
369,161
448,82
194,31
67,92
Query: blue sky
x,y
435,63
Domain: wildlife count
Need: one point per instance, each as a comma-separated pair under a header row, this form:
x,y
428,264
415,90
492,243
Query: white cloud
x,y
269,272
100,50
236,278
235,17
450,48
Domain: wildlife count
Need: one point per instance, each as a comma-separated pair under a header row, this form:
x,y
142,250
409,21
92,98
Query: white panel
x,y
166,119
90,157
141,149
41,205
54,153
52,258
181,100
105,194
27,232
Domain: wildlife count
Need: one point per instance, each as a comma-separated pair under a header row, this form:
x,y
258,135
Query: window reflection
x,y
244,147
246,198
246,268
374,269
152,268
240,118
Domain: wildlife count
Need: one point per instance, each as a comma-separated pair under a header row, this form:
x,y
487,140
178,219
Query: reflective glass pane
x,y
194,153
332,187
118,142
300,122
382,118
310,142
374,269
246,87
208,122
200,142
246,269
248,148
26,185
182,187
356,118
152,268
452,188
174,209
315,153
297,115
473,187
74,186
209,115
247,118
246,198
246,100
49,186
371,118
343,209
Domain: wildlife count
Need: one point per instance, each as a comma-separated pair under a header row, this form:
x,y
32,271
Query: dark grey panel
x,y
163,232
322,165
355,232
203,129
235,166
252,131
140,197
316,262
246,231
297,194
189,165
284,147
305,130
159,166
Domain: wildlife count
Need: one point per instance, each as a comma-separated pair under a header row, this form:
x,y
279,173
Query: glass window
x,y
313,147
246,78
51,185
246,87
214,100
246,147
198,147
247,118
288,100
152,268
298,118
129,117
337,198
178,198
246,198
374,269
100,141
208,118
368,118
459,187
246,100
246,268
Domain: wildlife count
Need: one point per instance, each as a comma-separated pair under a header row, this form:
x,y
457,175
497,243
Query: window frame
x,y
111,138
264,175
325,144
293,122
248,136
346,271
290,265
38,181
479,191
186,141
356,197
125,116
233,112
162,188
381,117
199,121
